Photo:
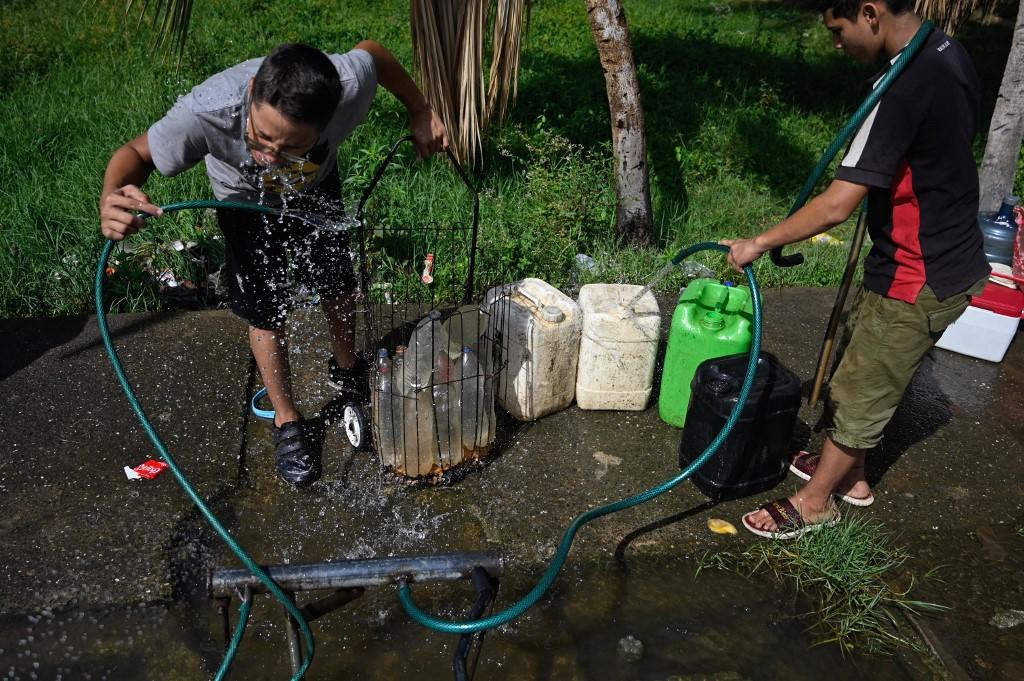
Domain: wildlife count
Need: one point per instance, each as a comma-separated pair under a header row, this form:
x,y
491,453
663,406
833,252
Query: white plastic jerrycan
x,y
540,329
618,348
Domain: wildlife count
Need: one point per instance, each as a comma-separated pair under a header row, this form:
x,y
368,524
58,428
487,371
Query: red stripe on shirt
x,y
909,277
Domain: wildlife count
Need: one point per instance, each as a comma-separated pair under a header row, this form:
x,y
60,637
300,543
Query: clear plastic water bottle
x,y
474,411
418,451
382,412
397,406
426,340
487,369
449,427
425,444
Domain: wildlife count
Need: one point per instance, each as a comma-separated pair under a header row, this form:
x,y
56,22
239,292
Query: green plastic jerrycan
x,y
711,320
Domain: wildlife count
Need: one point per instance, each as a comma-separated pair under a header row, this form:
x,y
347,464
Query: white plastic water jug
x,y
618,347
540,327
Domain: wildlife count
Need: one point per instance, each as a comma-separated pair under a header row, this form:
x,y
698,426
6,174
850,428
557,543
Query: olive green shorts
x,y
883,344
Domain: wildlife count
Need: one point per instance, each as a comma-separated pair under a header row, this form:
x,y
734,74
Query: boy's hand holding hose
x,y
742,252
118,210
826,210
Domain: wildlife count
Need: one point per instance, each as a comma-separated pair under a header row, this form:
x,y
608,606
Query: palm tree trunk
x,y
629,145
1002,148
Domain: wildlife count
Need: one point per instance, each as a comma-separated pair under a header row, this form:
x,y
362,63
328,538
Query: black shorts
x,y
264,254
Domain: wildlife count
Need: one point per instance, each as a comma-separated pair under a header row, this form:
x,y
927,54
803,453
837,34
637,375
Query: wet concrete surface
x,y
79,537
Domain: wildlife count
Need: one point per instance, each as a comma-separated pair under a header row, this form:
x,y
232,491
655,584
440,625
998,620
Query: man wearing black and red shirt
x,y
912,158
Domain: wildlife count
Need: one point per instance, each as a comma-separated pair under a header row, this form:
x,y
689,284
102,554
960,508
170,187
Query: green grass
x,y
740,99
853,576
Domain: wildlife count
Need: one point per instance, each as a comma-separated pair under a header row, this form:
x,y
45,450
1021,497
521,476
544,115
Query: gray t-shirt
x,y
209,123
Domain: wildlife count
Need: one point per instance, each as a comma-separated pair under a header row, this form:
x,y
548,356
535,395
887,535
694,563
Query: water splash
x,y
317,221
658,276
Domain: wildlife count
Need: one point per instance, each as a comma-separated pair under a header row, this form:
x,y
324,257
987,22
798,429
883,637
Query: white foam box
x,y
988,325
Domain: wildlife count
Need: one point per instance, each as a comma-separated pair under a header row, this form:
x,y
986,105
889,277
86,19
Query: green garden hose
x,y
247,560
450,627
405,594
549,576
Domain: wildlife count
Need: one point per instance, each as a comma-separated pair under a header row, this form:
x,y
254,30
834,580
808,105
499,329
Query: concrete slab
x,y
79,534
75,531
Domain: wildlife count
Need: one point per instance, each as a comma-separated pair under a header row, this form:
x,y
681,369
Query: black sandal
x,y
353,380
298,464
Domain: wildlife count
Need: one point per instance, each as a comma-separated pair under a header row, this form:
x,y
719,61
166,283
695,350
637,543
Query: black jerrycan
x,y
754,457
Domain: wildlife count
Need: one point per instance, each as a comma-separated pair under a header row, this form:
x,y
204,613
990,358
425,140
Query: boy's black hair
x,y
299,81
847,9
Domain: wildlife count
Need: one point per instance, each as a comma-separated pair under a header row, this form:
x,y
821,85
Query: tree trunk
x,y
1004,134
629,145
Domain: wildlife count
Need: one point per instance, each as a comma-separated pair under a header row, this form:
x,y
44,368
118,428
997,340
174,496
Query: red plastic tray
x,y
1001,300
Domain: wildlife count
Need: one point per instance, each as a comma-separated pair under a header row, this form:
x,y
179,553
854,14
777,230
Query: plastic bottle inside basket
x,y
414,410
396,405
427,338
449,427
424,444
476,415
465,328
381,407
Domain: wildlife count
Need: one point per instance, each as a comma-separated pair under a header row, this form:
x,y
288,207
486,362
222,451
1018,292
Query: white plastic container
x,y
618,347
540,327
987,326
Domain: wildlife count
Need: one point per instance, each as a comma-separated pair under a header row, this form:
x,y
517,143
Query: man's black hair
x,y
299,81
848,9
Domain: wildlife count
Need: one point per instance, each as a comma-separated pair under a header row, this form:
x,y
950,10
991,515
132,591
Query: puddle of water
x,y
718,626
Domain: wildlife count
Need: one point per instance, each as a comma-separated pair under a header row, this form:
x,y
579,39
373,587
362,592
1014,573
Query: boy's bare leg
x,y
270,348
855,484
340,312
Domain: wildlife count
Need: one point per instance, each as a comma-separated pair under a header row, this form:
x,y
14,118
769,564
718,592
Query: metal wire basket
x,y
434,351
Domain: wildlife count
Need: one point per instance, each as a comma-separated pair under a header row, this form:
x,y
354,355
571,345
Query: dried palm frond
x,y
171,19
449,51
504,77
949,14
470,78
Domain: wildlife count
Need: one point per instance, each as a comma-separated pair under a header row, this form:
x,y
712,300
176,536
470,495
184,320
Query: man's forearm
x,y
393,77
126,166
824,211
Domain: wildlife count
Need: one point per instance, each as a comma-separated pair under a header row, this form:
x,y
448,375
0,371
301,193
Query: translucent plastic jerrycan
x,y
618,347
541,329
711,320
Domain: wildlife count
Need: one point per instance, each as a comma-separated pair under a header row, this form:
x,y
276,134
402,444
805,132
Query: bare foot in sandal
x,y
789,518
853,488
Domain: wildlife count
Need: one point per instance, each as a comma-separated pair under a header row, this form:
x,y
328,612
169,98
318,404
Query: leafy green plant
x,y
728,145
853,575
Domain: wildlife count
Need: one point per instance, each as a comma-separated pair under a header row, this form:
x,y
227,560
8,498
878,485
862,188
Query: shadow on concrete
x,y
925,410
620,550
143,321
26,340
188,548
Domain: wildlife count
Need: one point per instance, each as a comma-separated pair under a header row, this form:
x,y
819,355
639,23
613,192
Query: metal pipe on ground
x,y
347,574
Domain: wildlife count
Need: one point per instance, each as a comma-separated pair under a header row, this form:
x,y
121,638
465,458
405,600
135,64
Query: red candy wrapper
x,y
146,471
428,269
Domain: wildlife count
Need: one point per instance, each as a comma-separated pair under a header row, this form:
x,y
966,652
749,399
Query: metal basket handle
x,y
467,296
387,161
